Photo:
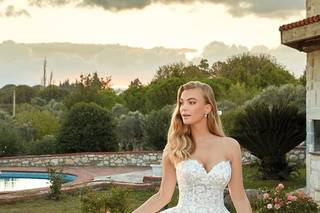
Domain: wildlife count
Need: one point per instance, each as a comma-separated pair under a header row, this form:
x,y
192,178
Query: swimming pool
x,y
14,180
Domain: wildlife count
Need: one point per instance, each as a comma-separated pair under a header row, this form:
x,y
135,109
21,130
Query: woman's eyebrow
x,y
181,99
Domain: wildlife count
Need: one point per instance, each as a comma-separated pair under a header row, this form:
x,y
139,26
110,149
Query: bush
x,y
46,145
157,126
43,121
277,200
269,133
87,128
130,131
56,180
118,110
9,140
288,94
116,201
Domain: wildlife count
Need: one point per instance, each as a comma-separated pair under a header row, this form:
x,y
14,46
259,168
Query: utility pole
x,y
14,104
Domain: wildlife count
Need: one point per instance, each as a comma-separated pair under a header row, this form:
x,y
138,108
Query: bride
x,y
199,157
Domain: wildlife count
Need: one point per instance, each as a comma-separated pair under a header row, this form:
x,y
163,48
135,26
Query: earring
x,y
206,115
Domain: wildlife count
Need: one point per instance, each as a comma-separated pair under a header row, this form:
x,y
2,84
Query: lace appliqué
x,y
201,191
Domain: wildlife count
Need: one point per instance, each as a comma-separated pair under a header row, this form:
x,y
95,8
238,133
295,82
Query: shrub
x,y
130,130
157,126
11,142
269,133
46,145
87,128
277,200
56,180
116,201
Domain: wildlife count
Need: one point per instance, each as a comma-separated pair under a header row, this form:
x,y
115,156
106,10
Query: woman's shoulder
x,y
230,141
232,145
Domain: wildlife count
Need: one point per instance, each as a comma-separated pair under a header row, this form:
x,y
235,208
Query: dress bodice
x,y
201,191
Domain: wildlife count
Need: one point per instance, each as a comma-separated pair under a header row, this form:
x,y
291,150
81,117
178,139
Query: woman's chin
x,y
186,122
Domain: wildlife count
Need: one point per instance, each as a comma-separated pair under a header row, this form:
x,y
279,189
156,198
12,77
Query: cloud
x,y
267,8
44,3
290,58
11,11
22,63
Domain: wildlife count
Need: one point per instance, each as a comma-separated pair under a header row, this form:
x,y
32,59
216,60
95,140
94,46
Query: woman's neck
x,y
200,131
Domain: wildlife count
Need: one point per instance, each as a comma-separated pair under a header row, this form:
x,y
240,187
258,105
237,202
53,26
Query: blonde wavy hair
x,y
180,144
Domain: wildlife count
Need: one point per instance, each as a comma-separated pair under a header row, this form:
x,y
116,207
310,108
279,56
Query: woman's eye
x,y
192,102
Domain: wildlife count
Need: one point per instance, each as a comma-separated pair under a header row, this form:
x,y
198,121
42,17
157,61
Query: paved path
x,y
129,177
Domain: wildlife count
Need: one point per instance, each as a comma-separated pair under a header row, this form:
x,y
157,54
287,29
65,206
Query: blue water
x,y
13,181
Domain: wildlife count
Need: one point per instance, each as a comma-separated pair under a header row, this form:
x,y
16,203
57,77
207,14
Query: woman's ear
x,y
208,108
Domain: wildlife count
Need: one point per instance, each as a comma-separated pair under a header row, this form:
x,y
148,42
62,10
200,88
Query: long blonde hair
x,y
180,144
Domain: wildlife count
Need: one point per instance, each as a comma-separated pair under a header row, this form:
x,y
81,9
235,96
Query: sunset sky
x,y
129,39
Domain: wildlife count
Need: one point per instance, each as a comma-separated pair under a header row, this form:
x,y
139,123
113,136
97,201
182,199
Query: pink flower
x,y
280,187
277,206
265,196
269,206
301,194
291,197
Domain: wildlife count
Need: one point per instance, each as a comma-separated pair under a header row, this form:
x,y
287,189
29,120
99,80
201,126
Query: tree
x,y
169,71
157,126
288,94
9,140
118,110
53,92
44,122
24,94
220,86
13,136
204,65
135,96
302,78
87,128
180,70
92,89
253,71
162,93
269,133
130,131
239,93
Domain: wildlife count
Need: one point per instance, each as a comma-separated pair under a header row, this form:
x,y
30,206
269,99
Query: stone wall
x,y
99,159
107,159
297,155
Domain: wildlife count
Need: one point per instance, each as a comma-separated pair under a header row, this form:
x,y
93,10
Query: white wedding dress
x,y
201,191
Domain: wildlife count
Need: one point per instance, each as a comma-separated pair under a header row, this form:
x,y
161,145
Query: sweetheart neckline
x,y
202,166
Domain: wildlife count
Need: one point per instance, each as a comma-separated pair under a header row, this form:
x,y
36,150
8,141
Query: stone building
x,y
304,35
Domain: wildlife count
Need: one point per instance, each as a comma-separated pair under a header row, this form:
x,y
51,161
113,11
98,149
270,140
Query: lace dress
x,y
201,191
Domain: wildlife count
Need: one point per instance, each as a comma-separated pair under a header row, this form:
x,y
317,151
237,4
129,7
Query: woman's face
x,y
193,106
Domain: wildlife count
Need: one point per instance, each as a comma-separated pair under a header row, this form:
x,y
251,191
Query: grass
x,y
71,203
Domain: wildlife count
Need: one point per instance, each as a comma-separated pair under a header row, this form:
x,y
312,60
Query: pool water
x,y
13,181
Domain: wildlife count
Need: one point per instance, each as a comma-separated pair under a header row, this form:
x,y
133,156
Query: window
x,y
316,124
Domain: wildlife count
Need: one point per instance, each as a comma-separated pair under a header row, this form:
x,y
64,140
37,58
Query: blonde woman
x,y
199,157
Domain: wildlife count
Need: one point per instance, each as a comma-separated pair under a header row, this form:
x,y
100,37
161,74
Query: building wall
x,y
313,7
313,112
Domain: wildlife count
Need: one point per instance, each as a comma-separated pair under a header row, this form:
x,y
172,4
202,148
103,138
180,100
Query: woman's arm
x,y
236,189
167,187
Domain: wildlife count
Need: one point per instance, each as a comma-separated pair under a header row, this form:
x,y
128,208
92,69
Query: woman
x,y
199,157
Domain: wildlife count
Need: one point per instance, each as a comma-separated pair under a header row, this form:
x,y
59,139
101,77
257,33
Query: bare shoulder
x,y
232,146
231,142
167,158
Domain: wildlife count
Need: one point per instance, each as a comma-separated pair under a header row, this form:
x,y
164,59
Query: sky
x,y
128,39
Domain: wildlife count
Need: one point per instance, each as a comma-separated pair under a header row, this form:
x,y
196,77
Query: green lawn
x,y
71,203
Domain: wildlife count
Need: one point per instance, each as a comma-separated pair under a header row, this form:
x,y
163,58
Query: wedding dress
x,y
201,191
